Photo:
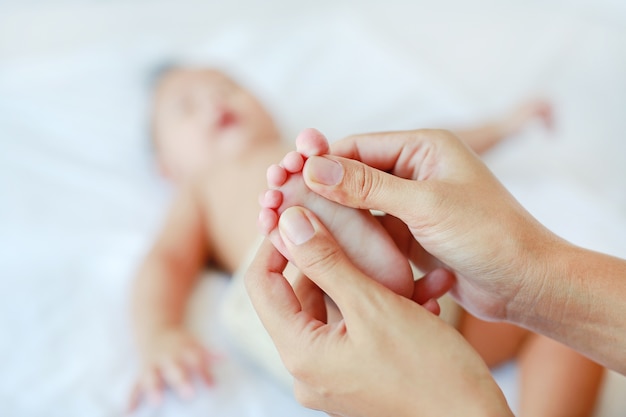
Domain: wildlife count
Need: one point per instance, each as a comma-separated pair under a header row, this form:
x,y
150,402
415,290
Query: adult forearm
x,y
580,301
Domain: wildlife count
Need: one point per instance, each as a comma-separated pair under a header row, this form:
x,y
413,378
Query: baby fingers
x,y
149,387
199,362
178,377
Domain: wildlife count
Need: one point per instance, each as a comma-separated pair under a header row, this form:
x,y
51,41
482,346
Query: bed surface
x,y
80,200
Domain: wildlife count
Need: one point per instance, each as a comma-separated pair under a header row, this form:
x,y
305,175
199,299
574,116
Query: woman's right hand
x,y
452,211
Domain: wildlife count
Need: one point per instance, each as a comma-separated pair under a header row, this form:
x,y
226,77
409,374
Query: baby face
x,y
200,116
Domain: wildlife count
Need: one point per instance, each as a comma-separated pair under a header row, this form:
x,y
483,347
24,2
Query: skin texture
x,y
509,267
456,213
381,358
379,258
575,380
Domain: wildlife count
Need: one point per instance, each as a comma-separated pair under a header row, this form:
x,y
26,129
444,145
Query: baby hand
x,y
172,360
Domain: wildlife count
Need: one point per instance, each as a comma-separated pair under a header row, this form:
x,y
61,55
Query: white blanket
x,y
80,200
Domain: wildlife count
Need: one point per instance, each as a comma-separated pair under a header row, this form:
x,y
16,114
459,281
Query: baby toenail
x,y
295,226
323,170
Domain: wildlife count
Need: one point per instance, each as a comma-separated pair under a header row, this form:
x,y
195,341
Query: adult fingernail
x,y
323,170
295,226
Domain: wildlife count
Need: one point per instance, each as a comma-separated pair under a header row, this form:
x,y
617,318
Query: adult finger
x,y
311,297
355,184
408,154
426,158
405,241
317,254
433,285
273,297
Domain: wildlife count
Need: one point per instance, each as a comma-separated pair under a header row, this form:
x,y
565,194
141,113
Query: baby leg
x,y
556,381
361,236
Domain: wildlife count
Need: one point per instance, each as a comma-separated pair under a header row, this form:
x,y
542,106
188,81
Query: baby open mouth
x,y
226,119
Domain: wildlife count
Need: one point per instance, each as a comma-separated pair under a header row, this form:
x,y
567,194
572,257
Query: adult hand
x,y
387,355
452,211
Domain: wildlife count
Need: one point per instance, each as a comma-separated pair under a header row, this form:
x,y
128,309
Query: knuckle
x,y
365,184
323,261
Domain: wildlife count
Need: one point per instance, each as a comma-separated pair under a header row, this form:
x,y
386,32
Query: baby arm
x,y
484,137
169,353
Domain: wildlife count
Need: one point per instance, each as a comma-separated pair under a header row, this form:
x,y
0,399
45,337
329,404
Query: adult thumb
x,y
355,184
318,255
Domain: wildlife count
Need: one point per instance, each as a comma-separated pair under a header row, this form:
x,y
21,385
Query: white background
x,y
80,200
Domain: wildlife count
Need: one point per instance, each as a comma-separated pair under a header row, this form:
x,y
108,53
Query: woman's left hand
x,y
387,355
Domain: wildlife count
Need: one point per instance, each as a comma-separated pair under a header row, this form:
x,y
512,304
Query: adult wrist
x,y
539,262
483,399
472,392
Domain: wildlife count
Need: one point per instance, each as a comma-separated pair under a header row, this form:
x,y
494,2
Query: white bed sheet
x,y
80,200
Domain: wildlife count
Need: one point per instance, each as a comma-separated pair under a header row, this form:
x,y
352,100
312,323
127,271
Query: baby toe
x,y
276,176
293,162
272,199
311,142
268,220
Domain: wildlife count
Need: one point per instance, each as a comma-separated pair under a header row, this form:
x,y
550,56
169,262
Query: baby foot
x,y
379,258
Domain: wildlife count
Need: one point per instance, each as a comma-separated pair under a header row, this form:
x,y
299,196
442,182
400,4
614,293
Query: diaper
x,y
245,330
